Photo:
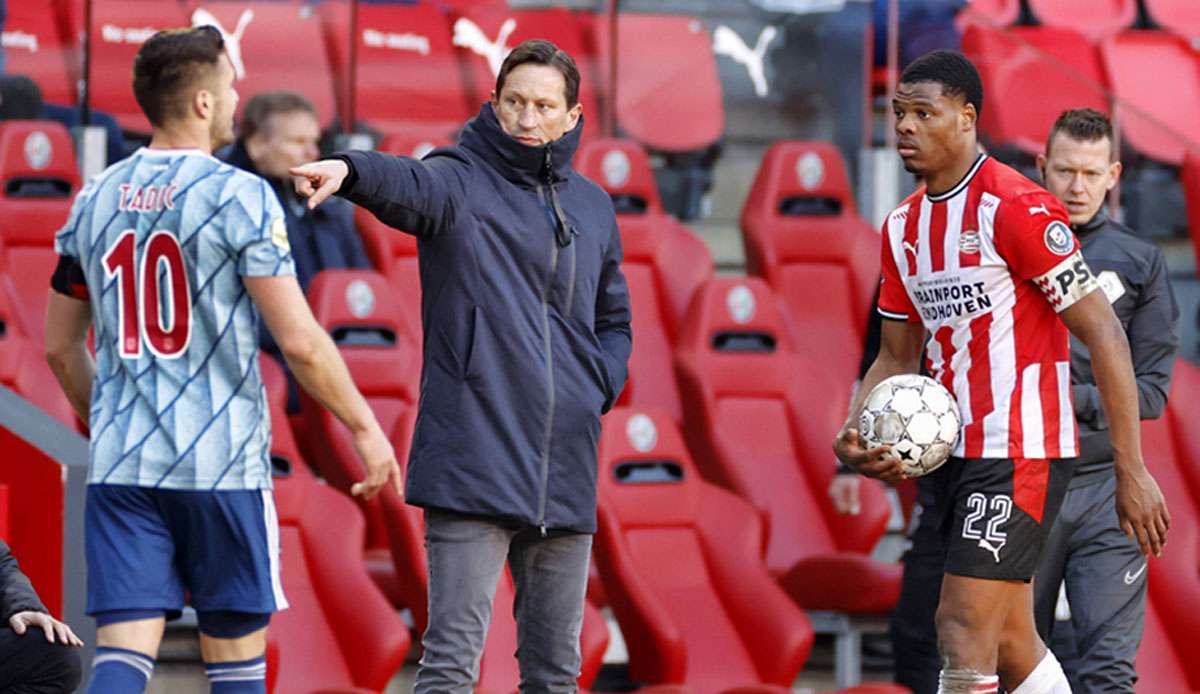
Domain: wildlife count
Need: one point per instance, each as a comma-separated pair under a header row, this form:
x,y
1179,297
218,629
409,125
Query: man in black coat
x,y
526,326
37,652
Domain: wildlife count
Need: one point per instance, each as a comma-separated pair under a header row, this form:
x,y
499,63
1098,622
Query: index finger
x,y
397,480
321,194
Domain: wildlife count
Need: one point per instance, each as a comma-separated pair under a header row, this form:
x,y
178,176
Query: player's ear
x,y
1114,174
573,115
202,103
1041,166
967,117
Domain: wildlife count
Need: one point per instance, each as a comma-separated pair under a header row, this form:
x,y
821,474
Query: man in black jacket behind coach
x,y
526,327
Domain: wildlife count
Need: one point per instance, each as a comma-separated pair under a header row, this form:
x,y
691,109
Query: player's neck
x,y
182,137
938,182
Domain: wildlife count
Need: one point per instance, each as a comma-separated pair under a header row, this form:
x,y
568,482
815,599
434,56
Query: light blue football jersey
x,y
164,239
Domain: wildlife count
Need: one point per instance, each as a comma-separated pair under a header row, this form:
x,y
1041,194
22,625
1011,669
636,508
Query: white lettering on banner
x,y
396,42
111,33
19,39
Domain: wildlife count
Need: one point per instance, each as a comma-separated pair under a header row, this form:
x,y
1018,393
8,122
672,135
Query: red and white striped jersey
x,y
986,266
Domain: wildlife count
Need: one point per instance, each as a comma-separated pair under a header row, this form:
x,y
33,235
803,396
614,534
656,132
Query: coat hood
x,y
520,163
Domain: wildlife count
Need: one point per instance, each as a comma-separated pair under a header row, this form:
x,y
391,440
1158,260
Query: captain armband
x,y
1067,282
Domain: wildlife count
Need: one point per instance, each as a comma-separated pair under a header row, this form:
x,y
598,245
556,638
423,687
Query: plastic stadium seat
x,y
484,33
676,106
38,178
262,40
664,265
1159,76
803,236
1175,577
414,41
1179,16
1181,411
1098,19
375,338
1030,76
990,13
285,453
119,28
339,631
681,562
498,669
760,418
1189,178
1159,658
23,368
33,46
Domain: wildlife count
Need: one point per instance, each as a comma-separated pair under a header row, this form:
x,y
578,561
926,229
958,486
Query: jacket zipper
x,y
546,342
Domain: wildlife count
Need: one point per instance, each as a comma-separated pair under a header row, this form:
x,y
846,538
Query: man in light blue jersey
x,y
173,255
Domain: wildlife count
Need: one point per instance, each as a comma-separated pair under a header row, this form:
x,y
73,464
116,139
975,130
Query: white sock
x,y
964,681
1046,678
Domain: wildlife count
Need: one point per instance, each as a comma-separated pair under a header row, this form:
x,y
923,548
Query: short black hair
x,y
542,52
952,70
167,66
1083,124
256,116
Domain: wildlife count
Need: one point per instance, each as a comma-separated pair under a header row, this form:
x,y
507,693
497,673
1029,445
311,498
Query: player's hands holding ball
x,y
852,451
317,180
377,454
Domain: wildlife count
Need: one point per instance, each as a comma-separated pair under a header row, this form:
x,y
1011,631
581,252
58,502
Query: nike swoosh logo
x,y
1131,577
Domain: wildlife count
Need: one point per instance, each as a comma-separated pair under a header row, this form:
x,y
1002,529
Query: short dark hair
x,y
952,70
168,65
542,52
256,116
1083,124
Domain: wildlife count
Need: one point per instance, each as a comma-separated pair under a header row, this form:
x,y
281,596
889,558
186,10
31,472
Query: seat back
x,y
1158,74
622,168
760,417
332,603
662,567
1098,19
1181,411
413,40
34,46
1189,178
38,178
1030,76
803,235
1159,658
990,13
363,314
1179,16
285,453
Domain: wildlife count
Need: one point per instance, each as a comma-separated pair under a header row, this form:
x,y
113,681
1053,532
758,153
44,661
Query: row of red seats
x,y
422,68
1097,18
1032,74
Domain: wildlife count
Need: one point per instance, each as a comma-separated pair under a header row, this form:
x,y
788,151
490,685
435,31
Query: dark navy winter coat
x,y
526,321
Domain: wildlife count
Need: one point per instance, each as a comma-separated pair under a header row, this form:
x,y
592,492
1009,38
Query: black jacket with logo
x,y
16,592
1133,274
526,321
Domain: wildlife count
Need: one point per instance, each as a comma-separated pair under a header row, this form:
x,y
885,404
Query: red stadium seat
x,y
1098,19
1158,75
1189,178
38,178
803,236
23,368
681,560
760,418
119,28
1181,411
1179,16
285,453
1030,76
1175,577
339,631
498,669
34,46
989,13
410,41
485,32
375,338
664,265
677,105
1159,658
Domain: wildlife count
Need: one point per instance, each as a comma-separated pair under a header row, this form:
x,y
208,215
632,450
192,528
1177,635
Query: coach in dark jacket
x,y
37,654
526,327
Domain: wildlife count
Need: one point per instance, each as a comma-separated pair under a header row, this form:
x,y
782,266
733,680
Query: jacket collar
x,y
1093,224
520,163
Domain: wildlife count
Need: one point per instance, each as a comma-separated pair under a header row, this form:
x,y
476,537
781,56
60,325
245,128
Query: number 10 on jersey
x,y
146,287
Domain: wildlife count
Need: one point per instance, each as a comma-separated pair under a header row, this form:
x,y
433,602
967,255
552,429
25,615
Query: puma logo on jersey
x,y
994,549
1040,209
467,34
233,41
728,42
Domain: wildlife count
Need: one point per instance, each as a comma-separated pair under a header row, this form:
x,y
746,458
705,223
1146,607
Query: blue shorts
x,y
148,549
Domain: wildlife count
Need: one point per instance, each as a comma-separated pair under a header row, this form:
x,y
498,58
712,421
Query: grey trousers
x,y
1105,576
465,556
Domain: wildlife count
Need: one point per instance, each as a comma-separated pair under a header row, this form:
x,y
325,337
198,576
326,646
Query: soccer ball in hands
x,y
916,417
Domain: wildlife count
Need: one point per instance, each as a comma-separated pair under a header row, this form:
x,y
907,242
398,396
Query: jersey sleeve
x,y
894,301
1034,237
65,238
257,232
